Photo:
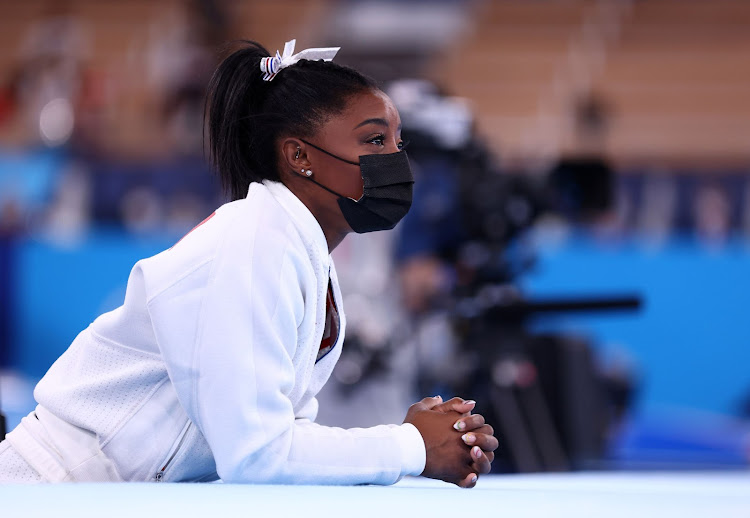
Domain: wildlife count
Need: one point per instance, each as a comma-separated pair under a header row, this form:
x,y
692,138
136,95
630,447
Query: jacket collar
x,y
301,215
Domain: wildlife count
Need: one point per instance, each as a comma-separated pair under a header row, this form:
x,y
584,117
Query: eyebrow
x,y
377,120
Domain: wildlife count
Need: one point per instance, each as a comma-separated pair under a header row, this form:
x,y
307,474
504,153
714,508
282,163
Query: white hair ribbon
x,y
273,65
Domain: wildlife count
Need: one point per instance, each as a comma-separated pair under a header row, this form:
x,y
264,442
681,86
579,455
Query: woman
x,y
211,366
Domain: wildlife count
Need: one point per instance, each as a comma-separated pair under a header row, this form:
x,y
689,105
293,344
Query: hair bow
x,y
273,65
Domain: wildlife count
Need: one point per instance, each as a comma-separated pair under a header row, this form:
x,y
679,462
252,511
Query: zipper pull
x,y
159,476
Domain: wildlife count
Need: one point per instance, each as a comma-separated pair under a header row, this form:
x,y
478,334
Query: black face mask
x,y
388,185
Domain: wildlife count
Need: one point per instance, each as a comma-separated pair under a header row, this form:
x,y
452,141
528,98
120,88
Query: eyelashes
x,y
379,140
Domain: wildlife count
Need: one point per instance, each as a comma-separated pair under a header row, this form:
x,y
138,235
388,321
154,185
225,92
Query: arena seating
x,y
121,40
673,71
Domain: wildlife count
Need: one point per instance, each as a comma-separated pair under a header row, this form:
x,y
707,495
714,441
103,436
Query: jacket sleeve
x,y
242,370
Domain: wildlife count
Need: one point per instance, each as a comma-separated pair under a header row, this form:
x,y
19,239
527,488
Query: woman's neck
x,y
328,215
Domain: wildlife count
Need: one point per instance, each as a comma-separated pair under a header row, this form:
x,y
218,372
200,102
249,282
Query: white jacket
x,y
209,367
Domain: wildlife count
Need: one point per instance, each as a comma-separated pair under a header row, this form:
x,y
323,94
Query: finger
x,y
431,402
469,481
466,424
456,404
484,441
426,404
480,464
485,429
490,456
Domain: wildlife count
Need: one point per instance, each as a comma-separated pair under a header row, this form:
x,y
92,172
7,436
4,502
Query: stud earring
x,y
308,172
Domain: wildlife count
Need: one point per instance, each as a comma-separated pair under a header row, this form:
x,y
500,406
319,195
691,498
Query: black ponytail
x,y
247,115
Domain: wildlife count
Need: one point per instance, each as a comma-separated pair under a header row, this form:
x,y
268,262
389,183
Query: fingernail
x,y
437,397
473,479
469,438
476,451
470,402
459,425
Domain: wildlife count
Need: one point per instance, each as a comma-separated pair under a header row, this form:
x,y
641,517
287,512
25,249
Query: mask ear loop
x,y
329,153
308,172
309,177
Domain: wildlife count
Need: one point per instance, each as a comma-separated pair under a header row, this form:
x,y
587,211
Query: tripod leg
x,y
542,428
514,429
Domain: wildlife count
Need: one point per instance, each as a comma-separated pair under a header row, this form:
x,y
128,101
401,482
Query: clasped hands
x,y
460,446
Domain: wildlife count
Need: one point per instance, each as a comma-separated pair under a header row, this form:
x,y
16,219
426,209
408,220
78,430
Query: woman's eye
x,y
402,145
378,140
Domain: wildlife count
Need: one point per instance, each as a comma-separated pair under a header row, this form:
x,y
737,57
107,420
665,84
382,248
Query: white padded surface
x,y
637,495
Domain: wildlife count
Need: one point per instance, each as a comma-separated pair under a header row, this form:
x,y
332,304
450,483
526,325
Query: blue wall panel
x,y
60,289
691,340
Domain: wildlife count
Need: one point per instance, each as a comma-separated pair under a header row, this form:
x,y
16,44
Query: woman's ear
x,y
294,156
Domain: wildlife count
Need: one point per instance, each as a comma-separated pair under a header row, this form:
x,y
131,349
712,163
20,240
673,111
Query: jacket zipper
x,y
160,474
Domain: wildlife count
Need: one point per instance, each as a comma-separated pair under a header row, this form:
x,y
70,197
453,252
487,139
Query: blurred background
x,y
577,258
